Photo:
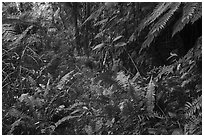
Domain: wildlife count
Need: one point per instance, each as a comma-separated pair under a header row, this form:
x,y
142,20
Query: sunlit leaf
x,y
99,46
67,118
120,44
24,97
64,79
117,38
150,96
101,22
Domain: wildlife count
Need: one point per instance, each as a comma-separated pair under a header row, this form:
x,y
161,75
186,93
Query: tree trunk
x,y
75,14
86,46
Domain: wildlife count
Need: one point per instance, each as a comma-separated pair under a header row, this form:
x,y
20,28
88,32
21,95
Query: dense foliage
x,y
102,68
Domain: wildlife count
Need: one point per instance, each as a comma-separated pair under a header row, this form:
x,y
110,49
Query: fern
x,y
150,96
14,125
163,21
193,125
160,24
67,118
122,80
64,79
74,114
165,70
8,33
197,14
191,13
192,108
158,11
163,13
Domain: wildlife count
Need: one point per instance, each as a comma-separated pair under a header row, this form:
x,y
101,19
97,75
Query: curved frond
x,y
163,21
67,118
198,13
191,12
158,11
160,24
191,108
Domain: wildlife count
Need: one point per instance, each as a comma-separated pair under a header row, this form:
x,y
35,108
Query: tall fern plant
x,y
163,15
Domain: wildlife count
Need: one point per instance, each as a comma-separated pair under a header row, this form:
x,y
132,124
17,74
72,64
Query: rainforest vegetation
x,y
101,68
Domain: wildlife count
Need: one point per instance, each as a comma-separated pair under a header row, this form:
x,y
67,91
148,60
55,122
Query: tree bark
x,y
75,14
86,46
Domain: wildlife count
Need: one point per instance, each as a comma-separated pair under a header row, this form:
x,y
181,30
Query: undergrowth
x,y
84,102
50,89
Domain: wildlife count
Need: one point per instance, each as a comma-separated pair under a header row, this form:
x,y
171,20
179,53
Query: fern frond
x,y
198,13
14,125
67,118
64,79
8,33
150,96
165,70
160,24
158,11
122,79
163,21
192,108
191,12
193,125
